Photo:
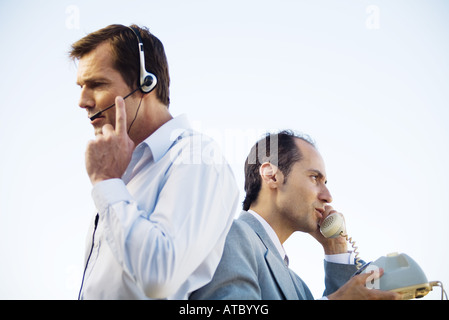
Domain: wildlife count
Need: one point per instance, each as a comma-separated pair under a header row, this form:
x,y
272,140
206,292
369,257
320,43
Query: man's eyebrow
x,y
318,173
90,81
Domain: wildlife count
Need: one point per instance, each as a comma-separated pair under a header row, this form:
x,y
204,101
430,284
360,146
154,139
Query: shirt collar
x,y
272,234
163,138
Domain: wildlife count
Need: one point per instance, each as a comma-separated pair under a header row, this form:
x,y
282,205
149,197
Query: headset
x,y
147,80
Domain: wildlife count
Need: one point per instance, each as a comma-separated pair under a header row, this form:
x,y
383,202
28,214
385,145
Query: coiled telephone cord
x,y
358,264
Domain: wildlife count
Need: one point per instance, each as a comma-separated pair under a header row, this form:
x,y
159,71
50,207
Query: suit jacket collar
x,y
278,268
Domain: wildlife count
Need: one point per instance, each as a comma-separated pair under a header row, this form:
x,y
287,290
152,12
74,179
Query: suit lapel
x,y
281,275
278,269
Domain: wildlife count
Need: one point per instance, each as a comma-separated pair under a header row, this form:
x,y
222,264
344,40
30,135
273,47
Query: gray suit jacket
x,y
251,268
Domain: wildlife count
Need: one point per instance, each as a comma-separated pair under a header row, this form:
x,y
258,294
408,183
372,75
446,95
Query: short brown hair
x,y
126,55
279,149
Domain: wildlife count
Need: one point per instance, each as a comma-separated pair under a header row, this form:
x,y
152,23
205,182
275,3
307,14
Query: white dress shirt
x,y
162,227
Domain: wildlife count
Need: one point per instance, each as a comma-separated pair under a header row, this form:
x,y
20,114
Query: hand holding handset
x,y
334,226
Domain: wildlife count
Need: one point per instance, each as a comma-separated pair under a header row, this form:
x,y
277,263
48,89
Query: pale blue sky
x,y
368,80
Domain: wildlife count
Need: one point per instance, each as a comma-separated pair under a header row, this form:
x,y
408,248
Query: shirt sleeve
x,y
161,249
342,258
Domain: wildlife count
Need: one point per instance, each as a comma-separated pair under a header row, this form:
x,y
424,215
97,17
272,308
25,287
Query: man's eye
x,y
96,85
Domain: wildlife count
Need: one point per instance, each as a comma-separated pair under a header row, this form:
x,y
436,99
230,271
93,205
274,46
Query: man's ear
x,y
271,175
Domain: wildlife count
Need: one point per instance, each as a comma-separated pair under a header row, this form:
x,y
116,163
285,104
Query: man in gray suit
x,y
285,185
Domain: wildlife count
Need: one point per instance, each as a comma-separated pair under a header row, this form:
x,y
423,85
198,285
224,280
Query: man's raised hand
x,y
108,156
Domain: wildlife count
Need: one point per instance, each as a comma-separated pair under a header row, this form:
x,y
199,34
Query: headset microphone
x,y
98,114
147,80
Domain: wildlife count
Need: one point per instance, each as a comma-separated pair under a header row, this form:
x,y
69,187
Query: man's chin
x,y
98,130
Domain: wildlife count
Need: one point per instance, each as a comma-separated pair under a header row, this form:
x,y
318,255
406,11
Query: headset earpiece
x,y
147,80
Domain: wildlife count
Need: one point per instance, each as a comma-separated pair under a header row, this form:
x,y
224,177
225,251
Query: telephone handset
x,y
334,226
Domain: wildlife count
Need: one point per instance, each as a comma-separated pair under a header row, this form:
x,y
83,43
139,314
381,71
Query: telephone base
x,y
403,275
414,292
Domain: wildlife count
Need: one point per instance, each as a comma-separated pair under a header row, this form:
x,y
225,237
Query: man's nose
x,y
86,99
325,195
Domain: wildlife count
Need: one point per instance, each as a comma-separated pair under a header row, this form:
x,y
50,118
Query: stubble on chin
x,y
98,130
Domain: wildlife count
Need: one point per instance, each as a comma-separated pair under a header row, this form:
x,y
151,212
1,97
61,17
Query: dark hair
x,y
279,149
125,55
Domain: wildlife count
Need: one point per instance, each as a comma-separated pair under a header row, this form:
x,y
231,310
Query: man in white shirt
x,y
285,185
165,196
